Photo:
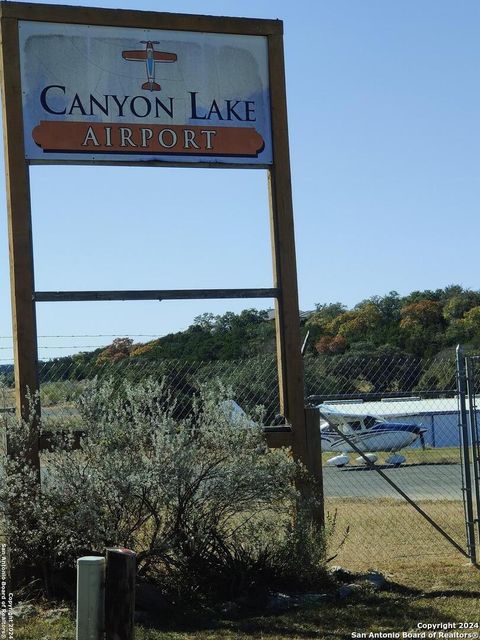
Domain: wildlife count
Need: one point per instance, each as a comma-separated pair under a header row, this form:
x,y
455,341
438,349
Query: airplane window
x,y
369,421
355,425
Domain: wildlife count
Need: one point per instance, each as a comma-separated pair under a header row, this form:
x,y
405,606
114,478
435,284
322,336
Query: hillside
x,y
421,324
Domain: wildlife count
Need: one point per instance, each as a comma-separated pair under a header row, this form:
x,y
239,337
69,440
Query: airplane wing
x,y
134,55
333,416
160,56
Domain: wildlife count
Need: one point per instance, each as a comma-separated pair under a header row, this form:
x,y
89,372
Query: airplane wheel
x,y
338,461
395,460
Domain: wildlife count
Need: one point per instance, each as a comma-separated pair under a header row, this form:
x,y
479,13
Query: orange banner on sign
x,y
82,137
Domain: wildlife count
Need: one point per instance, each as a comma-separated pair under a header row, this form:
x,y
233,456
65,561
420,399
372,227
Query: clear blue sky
x,y
384,115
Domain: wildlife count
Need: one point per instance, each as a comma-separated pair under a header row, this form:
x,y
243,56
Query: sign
x,y
98,93
85,85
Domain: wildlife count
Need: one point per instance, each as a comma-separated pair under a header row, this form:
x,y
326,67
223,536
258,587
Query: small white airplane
x,y
369,434
234,412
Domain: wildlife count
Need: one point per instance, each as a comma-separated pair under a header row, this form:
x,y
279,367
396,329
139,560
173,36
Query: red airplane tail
x,y
151,86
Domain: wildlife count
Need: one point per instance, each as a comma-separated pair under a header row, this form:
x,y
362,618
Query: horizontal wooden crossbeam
x,y
138,19
153,294
275,436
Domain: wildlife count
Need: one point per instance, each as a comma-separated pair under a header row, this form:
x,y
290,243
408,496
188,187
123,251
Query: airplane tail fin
x,y
151,86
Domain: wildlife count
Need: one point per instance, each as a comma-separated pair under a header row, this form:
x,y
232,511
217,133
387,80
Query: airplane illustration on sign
x,y
151,57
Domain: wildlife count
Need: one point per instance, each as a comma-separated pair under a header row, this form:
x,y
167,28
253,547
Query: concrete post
x,y
90,598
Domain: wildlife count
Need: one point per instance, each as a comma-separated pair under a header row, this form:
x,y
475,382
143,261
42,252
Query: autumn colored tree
x,y
424,313
319,323
361,322
118,350
331,344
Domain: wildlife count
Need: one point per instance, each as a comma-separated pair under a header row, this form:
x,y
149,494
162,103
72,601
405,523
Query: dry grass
x,y
386,611
429,582
389,535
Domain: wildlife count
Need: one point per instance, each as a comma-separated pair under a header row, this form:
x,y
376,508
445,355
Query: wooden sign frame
x,y
24,295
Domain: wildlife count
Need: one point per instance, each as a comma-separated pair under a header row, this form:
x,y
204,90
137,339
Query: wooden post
x,y
19,233
314,466
287,317
120,594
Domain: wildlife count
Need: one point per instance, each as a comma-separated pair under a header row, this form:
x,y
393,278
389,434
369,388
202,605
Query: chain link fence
x,y
384,530
372,524
252,382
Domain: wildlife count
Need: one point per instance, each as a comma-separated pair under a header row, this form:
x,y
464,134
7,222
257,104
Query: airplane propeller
x,y
422,441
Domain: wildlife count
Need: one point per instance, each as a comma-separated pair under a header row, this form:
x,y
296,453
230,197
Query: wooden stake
x,y
120,594
314,466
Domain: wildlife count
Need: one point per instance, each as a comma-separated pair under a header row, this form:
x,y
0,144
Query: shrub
x,y
206,506
59,392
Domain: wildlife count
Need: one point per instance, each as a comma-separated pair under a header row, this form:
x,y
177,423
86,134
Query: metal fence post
x,y
465,457
474,439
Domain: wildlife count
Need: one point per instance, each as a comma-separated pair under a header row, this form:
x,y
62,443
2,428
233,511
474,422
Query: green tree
x,y
457,306
422,326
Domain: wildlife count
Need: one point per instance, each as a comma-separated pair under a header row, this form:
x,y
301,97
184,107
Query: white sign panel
x,y
94,93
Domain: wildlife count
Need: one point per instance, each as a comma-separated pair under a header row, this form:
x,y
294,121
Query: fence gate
x,y
427,506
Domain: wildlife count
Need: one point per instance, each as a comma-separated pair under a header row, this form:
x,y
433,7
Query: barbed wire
x,y
73,346
96,335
